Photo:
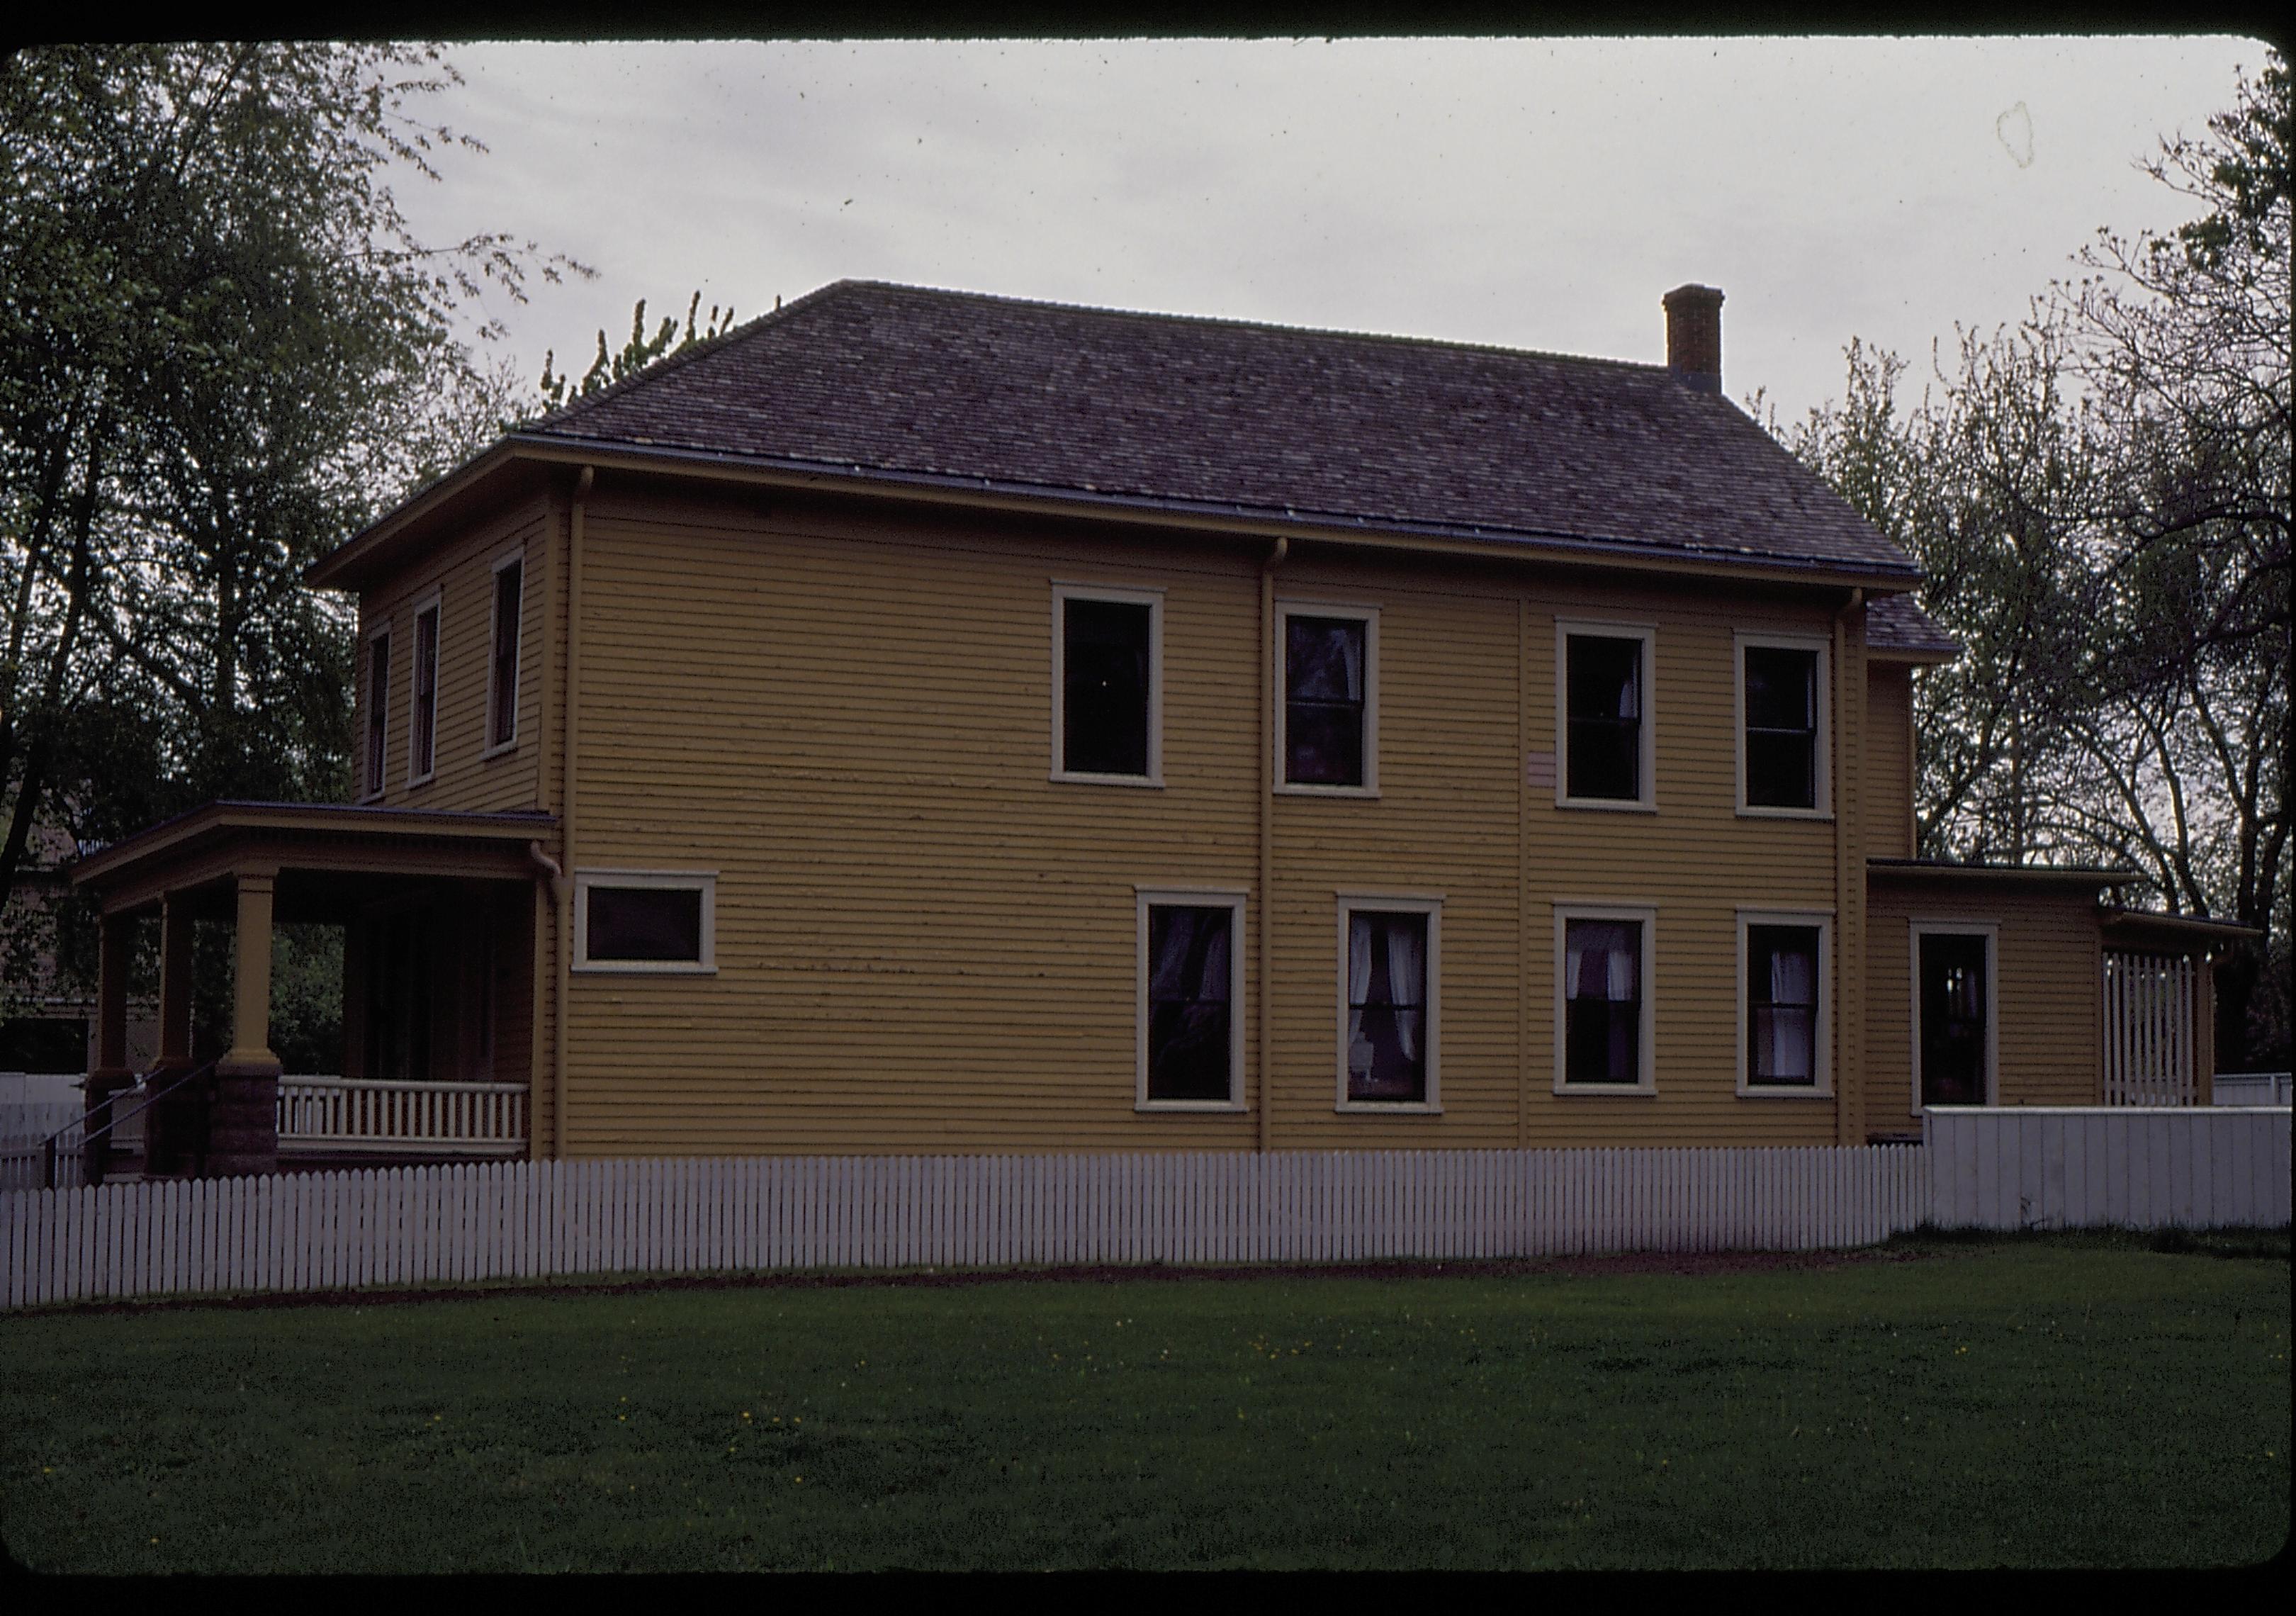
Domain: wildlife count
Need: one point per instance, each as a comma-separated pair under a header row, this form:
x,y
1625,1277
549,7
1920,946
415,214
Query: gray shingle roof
x,y
1896,622
1221,416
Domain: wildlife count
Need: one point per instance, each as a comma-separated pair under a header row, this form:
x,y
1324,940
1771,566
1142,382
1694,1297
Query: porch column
x,y
110,1074
175,982
244,1129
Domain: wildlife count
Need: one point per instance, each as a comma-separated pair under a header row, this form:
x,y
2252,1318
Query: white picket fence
x,y
2047,1167
410,1226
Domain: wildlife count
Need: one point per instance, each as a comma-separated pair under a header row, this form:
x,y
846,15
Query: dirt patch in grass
x,y
1689,1264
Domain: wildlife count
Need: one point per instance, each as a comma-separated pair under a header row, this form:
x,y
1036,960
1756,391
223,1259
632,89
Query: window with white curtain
x,y
1387,1037
1603,1012
1781,960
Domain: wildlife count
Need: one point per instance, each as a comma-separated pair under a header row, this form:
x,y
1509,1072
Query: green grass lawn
x,y
2048,1402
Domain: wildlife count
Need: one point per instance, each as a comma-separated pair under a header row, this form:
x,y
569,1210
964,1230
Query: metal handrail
x,y
48,1145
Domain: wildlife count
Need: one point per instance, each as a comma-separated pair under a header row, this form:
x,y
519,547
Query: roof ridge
x,y
1396,339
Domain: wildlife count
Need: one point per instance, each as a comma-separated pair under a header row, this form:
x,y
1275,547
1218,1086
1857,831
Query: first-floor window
x,y
1388,1044
1189,1051
644,921
1603,994
1781,986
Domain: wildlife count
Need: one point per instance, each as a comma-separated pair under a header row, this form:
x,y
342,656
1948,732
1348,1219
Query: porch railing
x,y
377,1116
2150,1043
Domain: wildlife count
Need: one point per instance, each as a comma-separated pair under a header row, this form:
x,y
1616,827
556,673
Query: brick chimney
x,y
1694,336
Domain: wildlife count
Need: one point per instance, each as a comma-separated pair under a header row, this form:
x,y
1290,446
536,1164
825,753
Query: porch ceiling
x,y
327,859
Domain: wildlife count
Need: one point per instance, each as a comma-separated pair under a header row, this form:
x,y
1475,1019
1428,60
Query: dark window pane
x,y
645,923
1387,1007
1780,770
1324,682
1602,989
1188,1009
426,691
1104,687
1782,991
1605,761
1323,745
1781,688
1781,727
503,722
378,708
1953,1020
1605,705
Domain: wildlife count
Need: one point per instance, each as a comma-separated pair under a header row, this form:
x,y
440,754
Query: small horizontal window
x,y
645,921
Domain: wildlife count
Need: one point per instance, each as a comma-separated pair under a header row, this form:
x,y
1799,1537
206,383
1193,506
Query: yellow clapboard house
x,y
919,721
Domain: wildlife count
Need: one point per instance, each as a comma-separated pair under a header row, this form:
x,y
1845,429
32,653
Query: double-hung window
x,y
1603,1020
1327,725
1603,720
1781,724
647,921
422,718
1190,1012
1388,977
1782,961
1107,677
377,709
501,682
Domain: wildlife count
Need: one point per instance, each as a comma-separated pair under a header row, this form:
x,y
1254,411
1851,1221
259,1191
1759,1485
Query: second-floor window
x,y
1607,752
422,721
502,695
1781,744
1107,677
378,709
1331,704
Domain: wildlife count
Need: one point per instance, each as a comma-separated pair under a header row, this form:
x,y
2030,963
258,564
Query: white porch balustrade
x,y
338,1116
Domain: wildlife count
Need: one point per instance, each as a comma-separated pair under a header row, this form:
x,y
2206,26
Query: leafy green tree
x,y
641,350
2100,496
222,351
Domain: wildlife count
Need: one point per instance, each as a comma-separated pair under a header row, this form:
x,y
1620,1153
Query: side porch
x,y
438,914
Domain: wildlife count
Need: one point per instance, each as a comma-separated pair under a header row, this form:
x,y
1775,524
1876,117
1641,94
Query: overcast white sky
x,y
1532,193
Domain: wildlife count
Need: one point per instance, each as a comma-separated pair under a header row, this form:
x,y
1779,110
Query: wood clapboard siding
x,y
463,574
2048,972
923,943
1888,760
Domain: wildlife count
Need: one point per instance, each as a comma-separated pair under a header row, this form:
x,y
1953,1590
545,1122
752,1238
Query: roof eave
x,y
1929,869
339,567
984,493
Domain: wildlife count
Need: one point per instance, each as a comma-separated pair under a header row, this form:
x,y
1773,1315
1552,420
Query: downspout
x,y
1271,662
1849,906
563,889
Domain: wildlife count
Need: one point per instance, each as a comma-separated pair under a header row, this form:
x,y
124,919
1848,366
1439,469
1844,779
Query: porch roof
x,y
328,851
2039,876
2171,934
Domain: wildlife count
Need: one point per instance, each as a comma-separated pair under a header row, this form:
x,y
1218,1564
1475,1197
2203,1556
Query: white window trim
x,y
1285,611
1821,1033
432,602
1431,904
512,558
705,882
378,711
1566,912
1647,771
1232,899
1918,929
1823,760
1134,595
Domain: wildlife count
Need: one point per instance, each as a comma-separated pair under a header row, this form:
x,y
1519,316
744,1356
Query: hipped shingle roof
x,y
1221,414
